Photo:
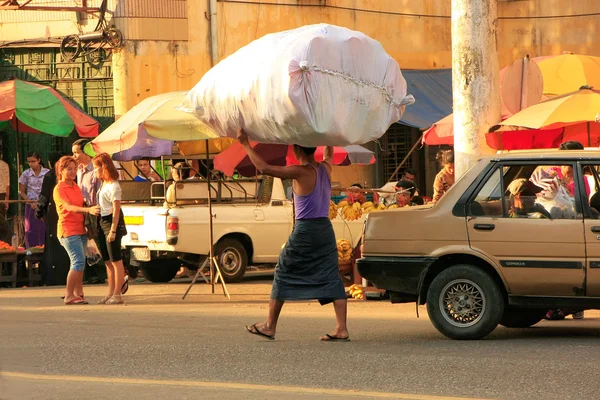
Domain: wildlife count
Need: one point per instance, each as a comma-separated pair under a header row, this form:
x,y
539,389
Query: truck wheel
x,y
521,318
232,258
464,302
160,271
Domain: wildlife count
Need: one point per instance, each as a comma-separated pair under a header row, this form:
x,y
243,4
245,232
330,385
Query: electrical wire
x,y
415,15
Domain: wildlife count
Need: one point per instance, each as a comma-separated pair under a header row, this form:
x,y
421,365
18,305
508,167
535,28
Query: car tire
x,y
464,302
232,258
521,318
161,270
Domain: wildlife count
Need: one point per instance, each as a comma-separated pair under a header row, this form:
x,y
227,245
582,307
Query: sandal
x,y
255,331
125,286
75,301
332,338
114,300
104,300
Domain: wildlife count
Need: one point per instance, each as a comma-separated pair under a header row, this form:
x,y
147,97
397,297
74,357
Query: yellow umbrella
x,y
568,72
151,127
569,109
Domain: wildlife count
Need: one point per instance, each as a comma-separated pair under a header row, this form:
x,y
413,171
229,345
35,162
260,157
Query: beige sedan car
x,y
517,235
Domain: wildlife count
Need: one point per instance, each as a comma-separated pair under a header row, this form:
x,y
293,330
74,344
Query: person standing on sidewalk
x,y
111,226
56,259
30,186
70,229
89,185
308,264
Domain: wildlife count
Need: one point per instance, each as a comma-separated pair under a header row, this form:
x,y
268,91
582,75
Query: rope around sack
x,y
409,99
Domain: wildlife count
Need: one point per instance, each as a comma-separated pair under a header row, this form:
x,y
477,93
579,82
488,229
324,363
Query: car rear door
x,y
537,256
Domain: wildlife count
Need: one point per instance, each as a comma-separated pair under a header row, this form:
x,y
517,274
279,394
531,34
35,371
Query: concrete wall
x,y
168,41
169,49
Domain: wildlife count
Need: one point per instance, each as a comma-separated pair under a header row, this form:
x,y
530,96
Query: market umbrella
x,y
568,72
516,138
235,157
442,132
32,108
573,108
151,127
562,74
353,154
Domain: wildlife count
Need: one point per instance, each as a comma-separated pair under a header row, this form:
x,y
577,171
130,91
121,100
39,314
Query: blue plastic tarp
x,y
432,90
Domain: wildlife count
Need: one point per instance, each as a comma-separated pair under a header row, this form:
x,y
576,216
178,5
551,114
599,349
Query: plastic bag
x,y
92,253
554,195
315,85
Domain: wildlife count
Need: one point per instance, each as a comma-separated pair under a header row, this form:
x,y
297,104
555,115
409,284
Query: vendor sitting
x,y
355,194
405,191
180,172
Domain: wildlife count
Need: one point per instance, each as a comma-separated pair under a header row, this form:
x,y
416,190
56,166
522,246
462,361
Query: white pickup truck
x,y
252,220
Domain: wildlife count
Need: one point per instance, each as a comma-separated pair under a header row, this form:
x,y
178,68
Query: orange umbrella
x,y
569,109
562,74
568,72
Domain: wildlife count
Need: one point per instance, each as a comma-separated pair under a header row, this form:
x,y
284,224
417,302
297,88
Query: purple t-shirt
x,y
316,203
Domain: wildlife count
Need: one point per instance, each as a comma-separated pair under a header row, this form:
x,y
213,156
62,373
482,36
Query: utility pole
x,y
475,79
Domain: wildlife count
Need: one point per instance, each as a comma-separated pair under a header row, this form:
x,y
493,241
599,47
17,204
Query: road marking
x,y
228,385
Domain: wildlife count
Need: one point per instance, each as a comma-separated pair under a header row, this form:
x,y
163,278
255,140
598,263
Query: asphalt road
x,y
159,346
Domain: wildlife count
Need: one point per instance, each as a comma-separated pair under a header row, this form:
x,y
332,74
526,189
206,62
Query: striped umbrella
x,y
150,129
32,108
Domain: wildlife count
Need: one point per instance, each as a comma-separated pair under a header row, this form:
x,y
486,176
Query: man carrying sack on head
x,y
308,264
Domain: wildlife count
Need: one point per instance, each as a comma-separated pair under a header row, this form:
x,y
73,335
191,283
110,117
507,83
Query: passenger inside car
x,y
523,200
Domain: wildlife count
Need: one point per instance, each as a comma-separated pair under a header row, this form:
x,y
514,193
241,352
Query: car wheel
x,y
161,270
521,318
232,258
464,302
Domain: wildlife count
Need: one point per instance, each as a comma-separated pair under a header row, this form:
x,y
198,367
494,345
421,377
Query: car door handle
x,y
596,229
484,227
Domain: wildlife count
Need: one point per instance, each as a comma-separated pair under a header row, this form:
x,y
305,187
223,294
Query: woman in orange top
x,y
71,230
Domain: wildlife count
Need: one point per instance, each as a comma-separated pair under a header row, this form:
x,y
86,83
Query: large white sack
x,y
315,85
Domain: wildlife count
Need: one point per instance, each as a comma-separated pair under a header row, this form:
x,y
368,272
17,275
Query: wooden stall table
x,y
9,257
33,259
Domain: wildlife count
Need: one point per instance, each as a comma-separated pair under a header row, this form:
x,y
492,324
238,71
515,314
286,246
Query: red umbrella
x,y
342,156
511,138
235,157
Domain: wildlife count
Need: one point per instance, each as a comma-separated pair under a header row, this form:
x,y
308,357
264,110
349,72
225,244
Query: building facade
x,y
167,46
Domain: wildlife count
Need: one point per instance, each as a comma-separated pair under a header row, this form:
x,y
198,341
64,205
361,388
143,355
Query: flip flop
x,y
331,338
75,301
256,331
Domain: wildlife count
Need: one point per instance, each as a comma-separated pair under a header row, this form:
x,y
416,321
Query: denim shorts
x,y
75,246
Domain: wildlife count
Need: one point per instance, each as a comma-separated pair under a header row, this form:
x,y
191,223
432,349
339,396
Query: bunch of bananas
x,y
350,212
392,206
333,211
357,292
344,250
368,206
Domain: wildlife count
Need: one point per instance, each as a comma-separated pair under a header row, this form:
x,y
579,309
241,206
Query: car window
x,y
488,201
529,191
287,187
591,181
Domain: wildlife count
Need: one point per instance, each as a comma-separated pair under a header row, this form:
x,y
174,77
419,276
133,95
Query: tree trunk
x,y
475,79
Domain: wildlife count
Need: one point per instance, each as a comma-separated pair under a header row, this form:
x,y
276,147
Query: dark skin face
x,y
408,177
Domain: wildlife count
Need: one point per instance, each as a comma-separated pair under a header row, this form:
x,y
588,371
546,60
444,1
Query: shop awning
x,y
432,90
